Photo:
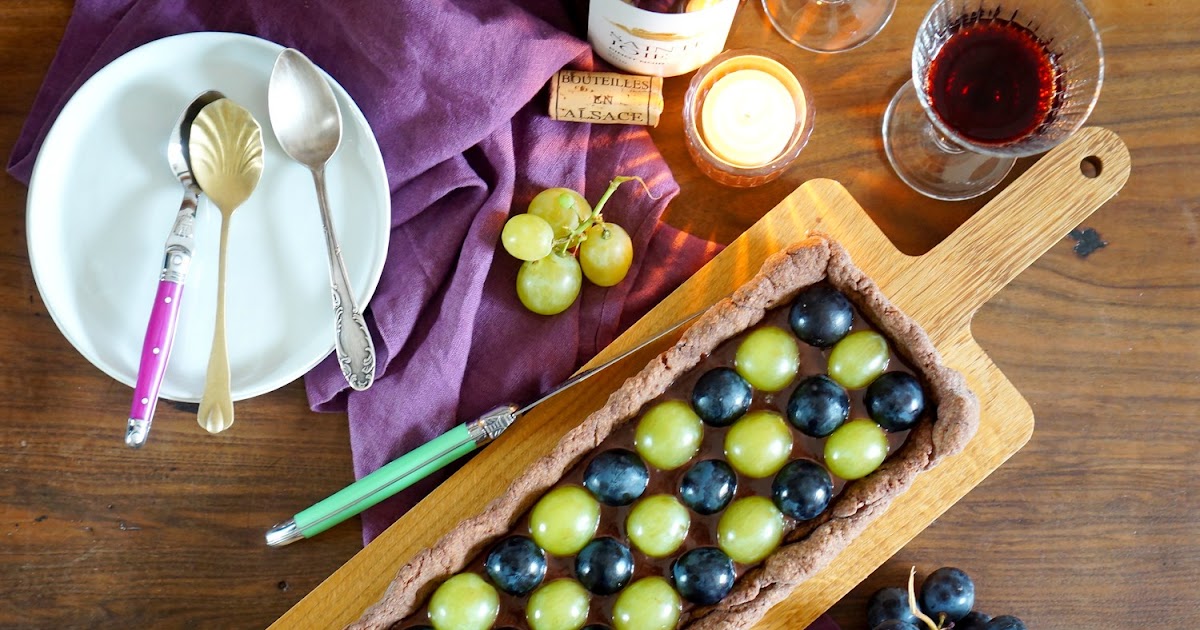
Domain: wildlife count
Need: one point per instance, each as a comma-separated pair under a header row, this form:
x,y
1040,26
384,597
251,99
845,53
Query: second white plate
x,y
102,201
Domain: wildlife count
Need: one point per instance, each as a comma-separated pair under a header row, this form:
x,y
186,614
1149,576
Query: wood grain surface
x,y
1094,524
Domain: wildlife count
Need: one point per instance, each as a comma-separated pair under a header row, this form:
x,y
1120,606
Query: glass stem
x,y
941,141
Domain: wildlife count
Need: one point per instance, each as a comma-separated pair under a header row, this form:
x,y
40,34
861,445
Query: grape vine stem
x,y
912,600
576,236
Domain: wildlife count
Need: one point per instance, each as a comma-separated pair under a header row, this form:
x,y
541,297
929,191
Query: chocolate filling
x,y
703,529
810,545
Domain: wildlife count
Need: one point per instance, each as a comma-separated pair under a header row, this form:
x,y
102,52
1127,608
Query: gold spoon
x,y
227,160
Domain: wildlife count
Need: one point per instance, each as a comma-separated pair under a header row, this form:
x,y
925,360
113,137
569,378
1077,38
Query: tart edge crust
x,y
808,549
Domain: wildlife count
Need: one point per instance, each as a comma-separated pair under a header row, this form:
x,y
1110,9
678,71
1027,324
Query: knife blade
x,y
422,461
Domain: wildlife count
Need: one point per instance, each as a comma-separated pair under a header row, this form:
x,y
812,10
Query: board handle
x,y
1020,224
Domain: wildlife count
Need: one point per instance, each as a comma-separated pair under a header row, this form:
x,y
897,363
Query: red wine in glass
x,y
993,81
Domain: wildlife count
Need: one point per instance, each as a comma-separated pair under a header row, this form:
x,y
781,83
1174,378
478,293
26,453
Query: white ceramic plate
x,y
102,201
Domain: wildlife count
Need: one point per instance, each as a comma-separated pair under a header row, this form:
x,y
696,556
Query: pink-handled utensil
x,y
160,331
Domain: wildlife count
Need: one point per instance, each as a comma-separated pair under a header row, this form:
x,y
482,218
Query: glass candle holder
x,y
746,117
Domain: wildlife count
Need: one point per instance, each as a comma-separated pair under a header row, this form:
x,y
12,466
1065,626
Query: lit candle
x,y
749,116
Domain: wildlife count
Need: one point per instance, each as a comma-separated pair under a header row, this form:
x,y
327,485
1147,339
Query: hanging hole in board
x,y
1091,167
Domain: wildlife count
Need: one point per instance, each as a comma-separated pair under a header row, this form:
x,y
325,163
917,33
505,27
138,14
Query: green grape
x,y
669,434
658,525
858,359
606,254
527,237
549,285
564,520
648,604
563,208
768,358
750,529
464,602
856,449
758,444
559,605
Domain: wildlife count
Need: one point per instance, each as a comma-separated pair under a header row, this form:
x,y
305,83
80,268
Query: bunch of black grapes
x,y
946,599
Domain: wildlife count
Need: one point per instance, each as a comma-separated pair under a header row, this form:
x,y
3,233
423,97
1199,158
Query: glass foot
x,y
930,163
828,26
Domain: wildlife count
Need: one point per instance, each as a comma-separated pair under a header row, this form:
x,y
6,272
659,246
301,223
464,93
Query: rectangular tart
x,y
808,546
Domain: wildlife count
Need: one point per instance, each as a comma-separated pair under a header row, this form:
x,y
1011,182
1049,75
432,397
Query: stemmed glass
x,y
991,81
828,26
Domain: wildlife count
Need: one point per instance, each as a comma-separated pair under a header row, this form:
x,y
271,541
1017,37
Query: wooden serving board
x,y
941,290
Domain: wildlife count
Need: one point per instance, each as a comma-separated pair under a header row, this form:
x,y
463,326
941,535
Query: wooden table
x,y
1095,524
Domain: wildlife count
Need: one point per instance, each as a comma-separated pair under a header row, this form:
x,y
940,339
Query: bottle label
x,y
659,44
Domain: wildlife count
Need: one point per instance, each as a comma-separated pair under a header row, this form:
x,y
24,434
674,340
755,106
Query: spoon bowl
x,y
226,150
308,125
304,111
178,151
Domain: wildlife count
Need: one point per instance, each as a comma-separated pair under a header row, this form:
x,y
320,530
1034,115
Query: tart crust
x,y
808,548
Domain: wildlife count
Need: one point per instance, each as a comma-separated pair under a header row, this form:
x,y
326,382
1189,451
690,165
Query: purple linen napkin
x,y
454,91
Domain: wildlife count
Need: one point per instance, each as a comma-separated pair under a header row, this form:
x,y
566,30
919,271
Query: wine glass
x,y
991,81
828,26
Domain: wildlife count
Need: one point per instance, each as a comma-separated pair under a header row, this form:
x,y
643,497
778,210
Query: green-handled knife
x,y
420,462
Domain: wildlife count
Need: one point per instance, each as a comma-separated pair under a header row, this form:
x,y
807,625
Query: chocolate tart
x,y
809,545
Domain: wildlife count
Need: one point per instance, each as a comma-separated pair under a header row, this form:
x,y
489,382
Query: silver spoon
x,y
227,159
160,331
308,125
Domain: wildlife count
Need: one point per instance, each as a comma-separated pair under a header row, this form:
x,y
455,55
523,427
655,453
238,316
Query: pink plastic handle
x,y
160,334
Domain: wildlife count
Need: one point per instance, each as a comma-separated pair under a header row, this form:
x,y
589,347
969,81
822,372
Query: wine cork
x,y
605,98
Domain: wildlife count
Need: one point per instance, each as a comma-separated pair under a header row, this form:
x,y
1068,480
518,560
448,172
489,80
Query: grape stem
x,y
912,601
576,236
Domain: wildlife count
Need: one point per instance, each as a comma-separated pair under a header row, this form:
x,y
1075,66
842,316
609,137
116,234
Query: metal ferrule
x,y
176,262
490,425
284,533
136,432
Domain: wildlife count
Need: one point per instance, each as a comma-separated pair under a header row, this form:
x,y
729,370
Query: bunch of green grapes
x,y
562,239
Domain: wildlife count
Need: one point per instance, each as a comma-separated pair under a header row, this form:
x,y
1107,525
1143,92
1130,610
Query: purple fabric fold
x,y
455,93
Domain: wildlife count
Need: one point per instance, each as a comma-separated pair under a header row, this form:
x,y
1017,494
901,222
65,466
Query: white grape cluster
x,y
561,239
